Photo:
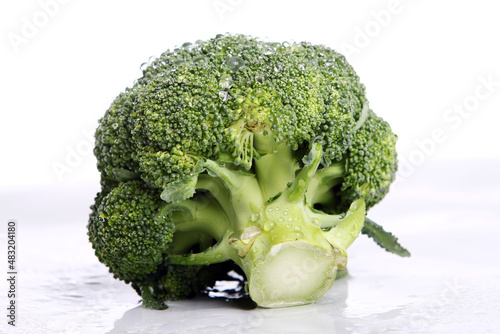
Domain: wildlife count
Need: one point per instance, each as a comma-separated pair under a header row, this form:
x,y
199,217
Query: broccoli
x,y
235,149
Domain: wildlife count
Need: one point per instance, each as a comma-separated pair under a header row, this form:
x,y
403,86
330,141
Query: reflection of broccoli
x,y
265,154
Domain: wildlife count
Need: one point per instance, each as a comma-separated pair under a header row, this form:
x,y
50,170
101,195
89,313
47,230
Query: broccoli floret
x,y
171,282
366,171
371,163
128,233
234,149
114,144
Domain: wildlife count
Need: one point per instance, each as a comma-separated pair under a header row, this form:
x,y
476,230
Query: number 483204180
x,y
11,245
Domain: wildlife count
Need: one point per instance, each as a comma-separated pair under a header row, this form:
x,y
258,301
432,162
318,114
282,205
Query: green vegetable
x,y
234,149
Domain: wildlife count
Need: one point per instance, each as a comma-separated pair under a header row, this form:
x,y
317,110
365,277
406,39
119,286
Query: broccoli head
x,y
234,149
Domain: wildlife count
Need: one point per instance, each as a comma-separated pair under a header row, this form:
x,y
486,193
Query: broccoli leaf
x,y
178,191
383,238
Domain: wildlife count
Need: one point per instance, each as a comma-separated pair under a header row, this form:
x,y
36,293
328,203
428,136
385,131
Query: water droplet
x,y
278,68
179,62
299,235
234,63
288,225
313,62
186,45
115,126
269,226
297,228
260,78
224,96
226,82
255,216
281,220
200,60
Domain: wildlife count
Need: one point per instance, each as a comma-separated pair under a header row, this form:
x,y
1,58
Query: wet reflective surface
x,y
449,284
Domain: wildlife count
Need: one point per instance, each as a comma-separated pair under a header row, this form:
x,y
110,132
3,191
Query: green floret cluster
x,y
204,99
236,149
128,234
371,162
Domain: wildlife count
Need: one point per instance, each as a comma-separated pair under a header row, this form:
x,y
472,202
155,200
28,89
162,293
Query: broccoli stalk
x,y
277,240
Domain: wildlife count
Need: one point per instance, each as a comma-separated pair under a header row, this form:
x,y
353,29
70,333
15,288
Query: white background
x,y
424,63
